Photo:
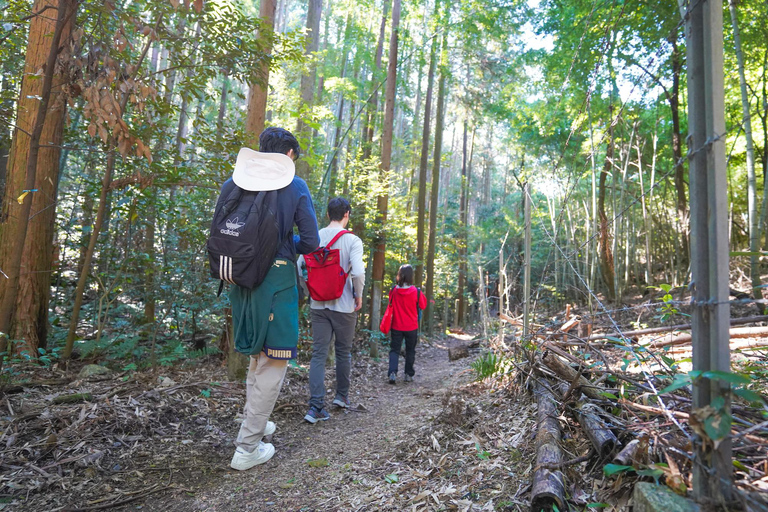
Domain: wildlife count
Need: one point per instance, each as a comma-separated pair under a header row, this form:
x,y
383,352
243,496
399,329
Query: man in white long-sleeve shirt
x,y
337,316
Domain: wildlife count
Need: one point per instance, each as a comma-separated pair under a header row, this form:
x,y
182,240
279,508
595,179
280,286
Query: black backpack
x,y
245,236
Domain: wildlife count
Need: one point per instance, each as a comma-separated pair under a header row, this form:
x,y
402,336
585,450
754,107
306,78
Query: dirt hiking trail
x,y
354,461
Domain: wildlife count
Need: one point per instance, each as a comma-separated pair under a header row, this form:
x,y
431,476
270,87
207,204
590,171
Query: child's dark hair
x,y
405,275
337,208
278,140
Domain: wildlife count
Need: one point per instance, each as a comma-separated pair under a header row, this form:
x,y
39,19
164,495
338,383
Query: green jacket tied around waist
x,y
267,317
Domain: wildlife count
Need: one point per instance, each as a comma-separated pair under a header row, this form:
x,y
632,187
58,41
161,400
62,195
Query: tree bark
x,y
754,226
307,85
29,213
434,194
222,107
606,257
257,103
677,150
463,228
334,166
425,136
548,486
6,135
373,101
386,156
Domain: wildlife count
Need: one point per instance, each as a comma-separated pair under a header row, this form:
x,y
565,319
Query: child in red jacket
x,y
406,301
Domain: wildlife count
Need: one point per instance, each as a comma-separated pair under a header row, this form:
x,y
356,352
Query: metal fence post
x,y
709,240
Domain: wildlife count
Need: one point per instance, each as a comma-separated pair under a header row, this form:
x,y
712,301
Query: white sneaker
x,y
243,460
270,428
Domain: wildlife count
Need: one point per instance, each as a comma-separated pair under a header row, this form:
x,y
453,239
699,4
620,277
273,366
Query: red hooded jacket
x,y
404,313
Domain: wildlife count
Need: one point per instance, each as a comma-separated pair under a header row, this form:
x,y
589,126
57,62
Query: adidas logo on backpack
x,y
232,226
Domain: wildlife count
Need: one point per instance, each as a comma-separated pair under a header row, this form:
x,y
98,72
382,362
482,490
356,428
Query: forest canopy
x,y
148,103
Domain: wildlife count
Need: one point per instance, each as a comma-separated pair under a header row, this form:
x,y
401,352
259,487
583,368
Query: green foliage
x,y
489,364
667,309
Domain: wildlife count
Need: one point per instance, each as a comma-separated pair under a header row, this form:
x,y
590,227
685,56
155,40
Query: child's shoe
x,y
392,377
408,378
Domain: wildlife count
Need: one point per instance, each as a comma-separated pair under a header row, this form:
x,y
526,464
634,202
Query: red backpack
x,y
325,277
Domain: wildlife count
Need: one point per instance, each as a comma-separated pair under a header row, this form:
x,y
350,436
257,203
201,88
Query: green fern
x,y
486,365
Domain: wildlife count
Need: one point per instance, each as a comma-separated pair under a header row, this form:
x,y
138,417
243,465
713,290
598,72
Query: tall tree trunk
x,y
754,226
386,155
425,136
27,230
677,149
413,178
606,256
463,203
6,135
434,193
257,104
42,120
646,219
334,166
373,101
762,113
222,107
308,78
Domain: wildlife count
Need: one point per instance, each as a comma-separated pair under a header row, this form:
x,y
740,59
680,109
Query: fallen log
x,y
72,399
459,352
670,328
548,486
734,345
16,388
685,416
567,373
601,437
681,339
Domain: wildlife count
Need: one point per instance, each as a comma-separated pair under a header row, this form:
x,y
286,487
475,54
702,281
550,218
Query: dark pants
x,y
410,350
326,323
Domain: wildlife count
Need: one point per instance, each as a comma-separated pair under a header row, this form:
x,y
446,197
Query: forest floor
x,y
163,442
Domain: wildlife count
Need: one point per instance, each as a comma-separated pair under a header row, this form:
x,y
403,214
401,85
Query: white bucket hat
x,y
256,171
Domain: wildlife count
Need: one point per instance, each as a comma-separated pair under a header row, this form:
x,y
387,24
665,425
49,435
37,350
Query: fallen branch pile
x,y
610,395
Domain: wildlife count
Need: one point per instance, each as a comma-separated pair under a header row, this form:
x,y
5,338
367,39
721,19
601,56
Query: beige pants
x,y
265,378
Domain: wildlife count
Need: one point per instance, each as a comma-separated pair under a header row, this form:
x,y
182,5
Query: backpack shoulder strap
x,y
233,196
334,239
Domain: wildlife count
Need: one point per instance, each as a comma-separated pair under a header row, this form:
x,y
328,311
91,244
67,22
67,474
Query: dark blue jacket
x,y
295,207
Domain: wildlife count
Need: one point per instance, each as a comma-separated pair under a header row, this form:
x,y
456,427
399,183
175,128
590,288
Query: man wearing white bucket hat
x,y
265,318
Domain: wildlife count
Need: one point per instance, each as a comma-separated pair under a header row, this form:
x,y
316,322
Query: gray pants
x,y
326,323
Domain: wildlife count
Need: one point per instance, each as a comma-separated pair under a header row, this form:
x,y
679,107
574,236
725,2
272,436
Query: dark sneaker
x,y
392,377
314,415
341,401
408,378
